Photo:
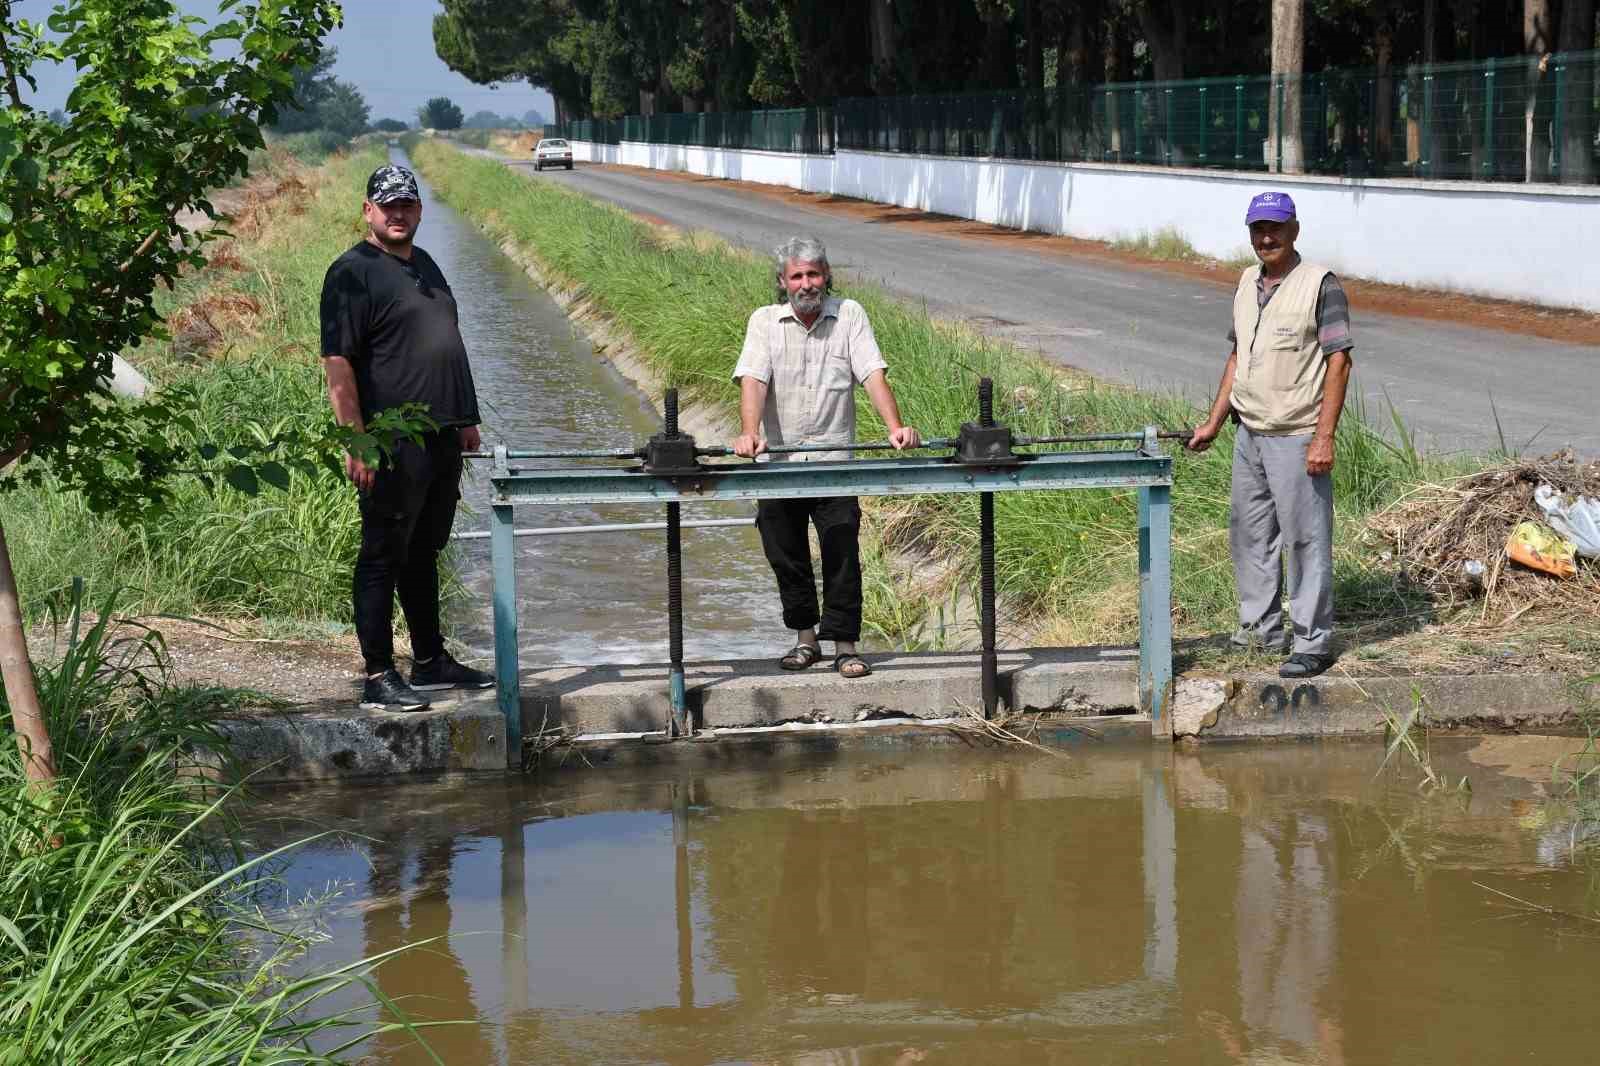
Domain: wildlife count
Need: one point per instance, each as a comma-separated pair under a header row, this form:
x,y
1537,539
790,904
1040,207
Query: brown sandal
x,y
847,662
800,656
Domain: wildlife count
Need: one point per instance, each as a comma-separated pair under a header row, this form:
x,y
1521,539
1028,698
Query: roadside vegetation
x,y
128,907
243,334
1066,561
1170,245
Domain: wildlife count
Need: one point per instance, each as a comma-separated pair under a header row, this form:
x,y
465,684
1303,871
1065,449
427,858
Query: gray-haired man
x,y
1284,383
803,357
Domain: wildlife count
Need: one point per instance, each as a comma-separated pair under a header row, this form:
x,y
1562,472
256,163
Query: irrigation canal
x,y
1272,905
582,599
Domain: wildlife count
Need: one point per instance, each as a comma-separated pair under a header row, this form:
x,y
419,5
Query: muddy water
x,y
1263,906
582,599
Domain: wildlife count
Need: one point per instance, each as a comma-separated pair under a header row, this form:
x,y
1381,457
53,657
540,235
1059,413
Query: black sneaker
x,y
1304,664
387,692
441,672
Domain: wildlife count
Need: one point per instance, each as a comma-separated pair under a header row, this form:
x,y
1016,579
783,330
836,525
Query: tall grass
x,y
1067,556
127,932
245,338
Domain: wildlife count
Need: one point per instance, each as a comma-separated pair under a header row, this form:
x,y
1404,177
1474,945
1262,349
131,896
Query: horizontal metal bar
x,y
869,446
1102,438
614,527
580,454
861,477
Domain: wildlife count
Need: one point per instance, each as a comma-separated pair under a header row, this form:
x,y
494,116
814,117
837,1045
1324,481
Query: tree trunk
x,y
1034,57
1080,64
1165,26
999,50
1288,67
38,758
1164,23
1537,41
1118,53
1383,93
1578,117
881,23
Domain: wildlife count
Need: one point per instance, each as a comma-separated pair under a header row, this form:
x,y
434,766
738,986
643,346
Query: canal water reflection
x,y
595,598
1243,906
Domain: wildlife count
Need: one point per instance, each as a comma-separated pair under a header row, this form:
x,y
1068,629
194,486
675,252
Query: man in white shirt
x,y
803,357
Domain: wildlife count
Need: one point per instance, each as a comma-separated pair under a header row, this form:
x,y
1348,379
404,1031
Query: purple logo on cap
x,y
1270,207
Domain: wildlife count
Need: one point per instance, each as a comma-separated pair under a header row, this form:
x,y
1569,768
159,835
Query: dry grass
x,y
214,323
1437,529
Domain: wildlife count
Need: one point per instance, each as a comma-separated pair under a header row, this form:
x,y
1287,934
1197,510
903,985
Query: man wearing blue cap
x,y
1284,384
391,336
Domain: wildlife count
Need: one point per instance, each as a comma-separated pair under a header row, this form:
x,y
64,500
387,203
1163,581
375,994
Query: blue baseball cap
x,y
1270,207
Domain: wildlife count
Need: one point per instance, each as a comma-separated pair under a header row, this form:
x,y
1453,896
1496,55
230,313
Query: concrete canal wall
x,y
596,716
1510,241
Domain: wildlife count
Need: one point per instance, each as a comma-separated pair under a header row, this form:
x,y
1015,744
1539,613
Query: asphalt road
x,y
1151,329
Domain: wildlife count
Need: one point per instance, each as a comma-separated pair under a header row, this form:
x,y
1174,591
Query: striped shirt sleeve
x,y
1333,317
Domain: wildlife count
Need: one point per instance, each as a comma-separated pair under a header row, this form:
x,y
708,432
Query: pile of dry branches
x,y
1438,529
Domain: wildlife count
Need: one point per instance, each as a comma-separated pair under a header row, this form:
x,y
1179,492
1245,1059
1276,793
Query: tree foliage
x,y
88,214
323,102
390,125
439,114
607,58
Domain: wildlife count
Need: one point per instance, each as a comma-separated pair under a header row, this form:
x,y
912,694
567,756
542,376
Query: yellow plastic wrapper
x,y
1541,548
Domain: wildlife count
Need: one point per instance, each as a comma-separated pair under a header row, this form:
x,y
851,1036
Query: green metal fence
x,y
1498,120
1510,119
797,129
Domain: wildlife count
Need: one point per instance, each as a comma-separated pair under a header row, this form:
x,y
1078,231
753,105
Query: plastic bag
x,y
1576,518
1535,546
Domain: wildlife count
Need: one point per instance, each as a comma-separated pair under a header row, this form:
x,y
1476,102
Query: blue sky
x,y
385,50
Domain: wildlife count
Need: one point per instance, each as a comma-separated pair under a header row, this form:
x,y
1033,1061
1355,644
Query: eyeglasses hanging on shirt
x,y
413,273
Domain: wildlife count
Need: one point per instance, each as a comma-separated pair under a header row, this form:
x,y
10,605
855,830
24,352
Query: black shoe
x,y
441,672
387,692
1304,664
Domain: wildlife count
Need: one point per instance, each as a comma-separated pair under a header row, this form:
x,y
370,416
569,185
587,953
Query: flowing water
x,y
582,599
1263,906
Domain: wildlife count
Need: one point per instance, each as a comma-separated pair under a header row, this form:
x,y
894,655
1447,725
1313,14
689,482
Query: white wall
x,y
1533,243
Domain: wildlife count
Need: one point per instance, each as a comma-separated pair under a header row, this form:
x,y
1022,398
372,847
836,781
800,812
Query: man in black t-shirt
x,y
390,336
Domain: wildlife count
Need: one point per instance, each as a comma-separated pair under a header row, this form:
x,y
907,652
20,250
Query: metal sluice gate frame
x,y
984,462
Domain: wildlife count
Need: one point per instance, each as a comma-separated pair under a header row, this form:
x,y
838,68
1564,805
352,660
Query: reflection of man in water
x,y
428,983
1287,936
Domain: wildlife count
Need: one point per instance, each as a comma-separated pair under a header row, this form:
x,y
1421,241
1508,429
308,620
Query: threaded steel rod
x,y
991,680
678,726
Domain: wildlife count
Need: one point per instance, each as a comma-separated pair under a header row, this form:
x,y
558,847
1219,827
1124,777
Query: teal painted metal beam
x,y
857,477
507,671
1155,609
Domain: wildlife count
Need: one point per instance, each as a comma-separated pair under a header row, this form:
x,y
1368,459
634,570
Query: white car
x,y
552,152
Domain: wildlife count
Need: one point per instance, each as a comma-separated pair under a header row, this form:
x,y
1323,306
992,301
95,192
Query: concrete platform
x,y
612,707
1260,705
614,715
735,694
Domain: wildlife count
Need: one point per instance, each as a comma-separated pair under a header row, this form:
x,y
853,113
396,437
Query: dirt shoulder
x,y
1532,320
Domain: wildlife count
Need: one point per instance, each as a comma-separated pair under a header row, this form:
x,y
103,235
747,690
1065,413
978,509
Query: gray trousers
x,y
1281,518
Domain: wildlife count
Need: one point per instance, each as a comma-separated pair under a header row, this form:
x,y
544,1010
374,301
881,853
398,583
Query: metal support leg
x,y
991,681
678,726
507,672
1155,608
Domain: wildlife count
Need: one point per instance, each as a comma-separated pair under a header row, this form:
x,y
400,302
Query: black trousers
x,y
405,523
783,534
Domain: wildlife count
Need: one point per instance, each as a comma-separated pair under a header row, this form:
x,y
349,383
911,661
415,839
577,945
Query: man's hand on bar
x,y
749,445
904,437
